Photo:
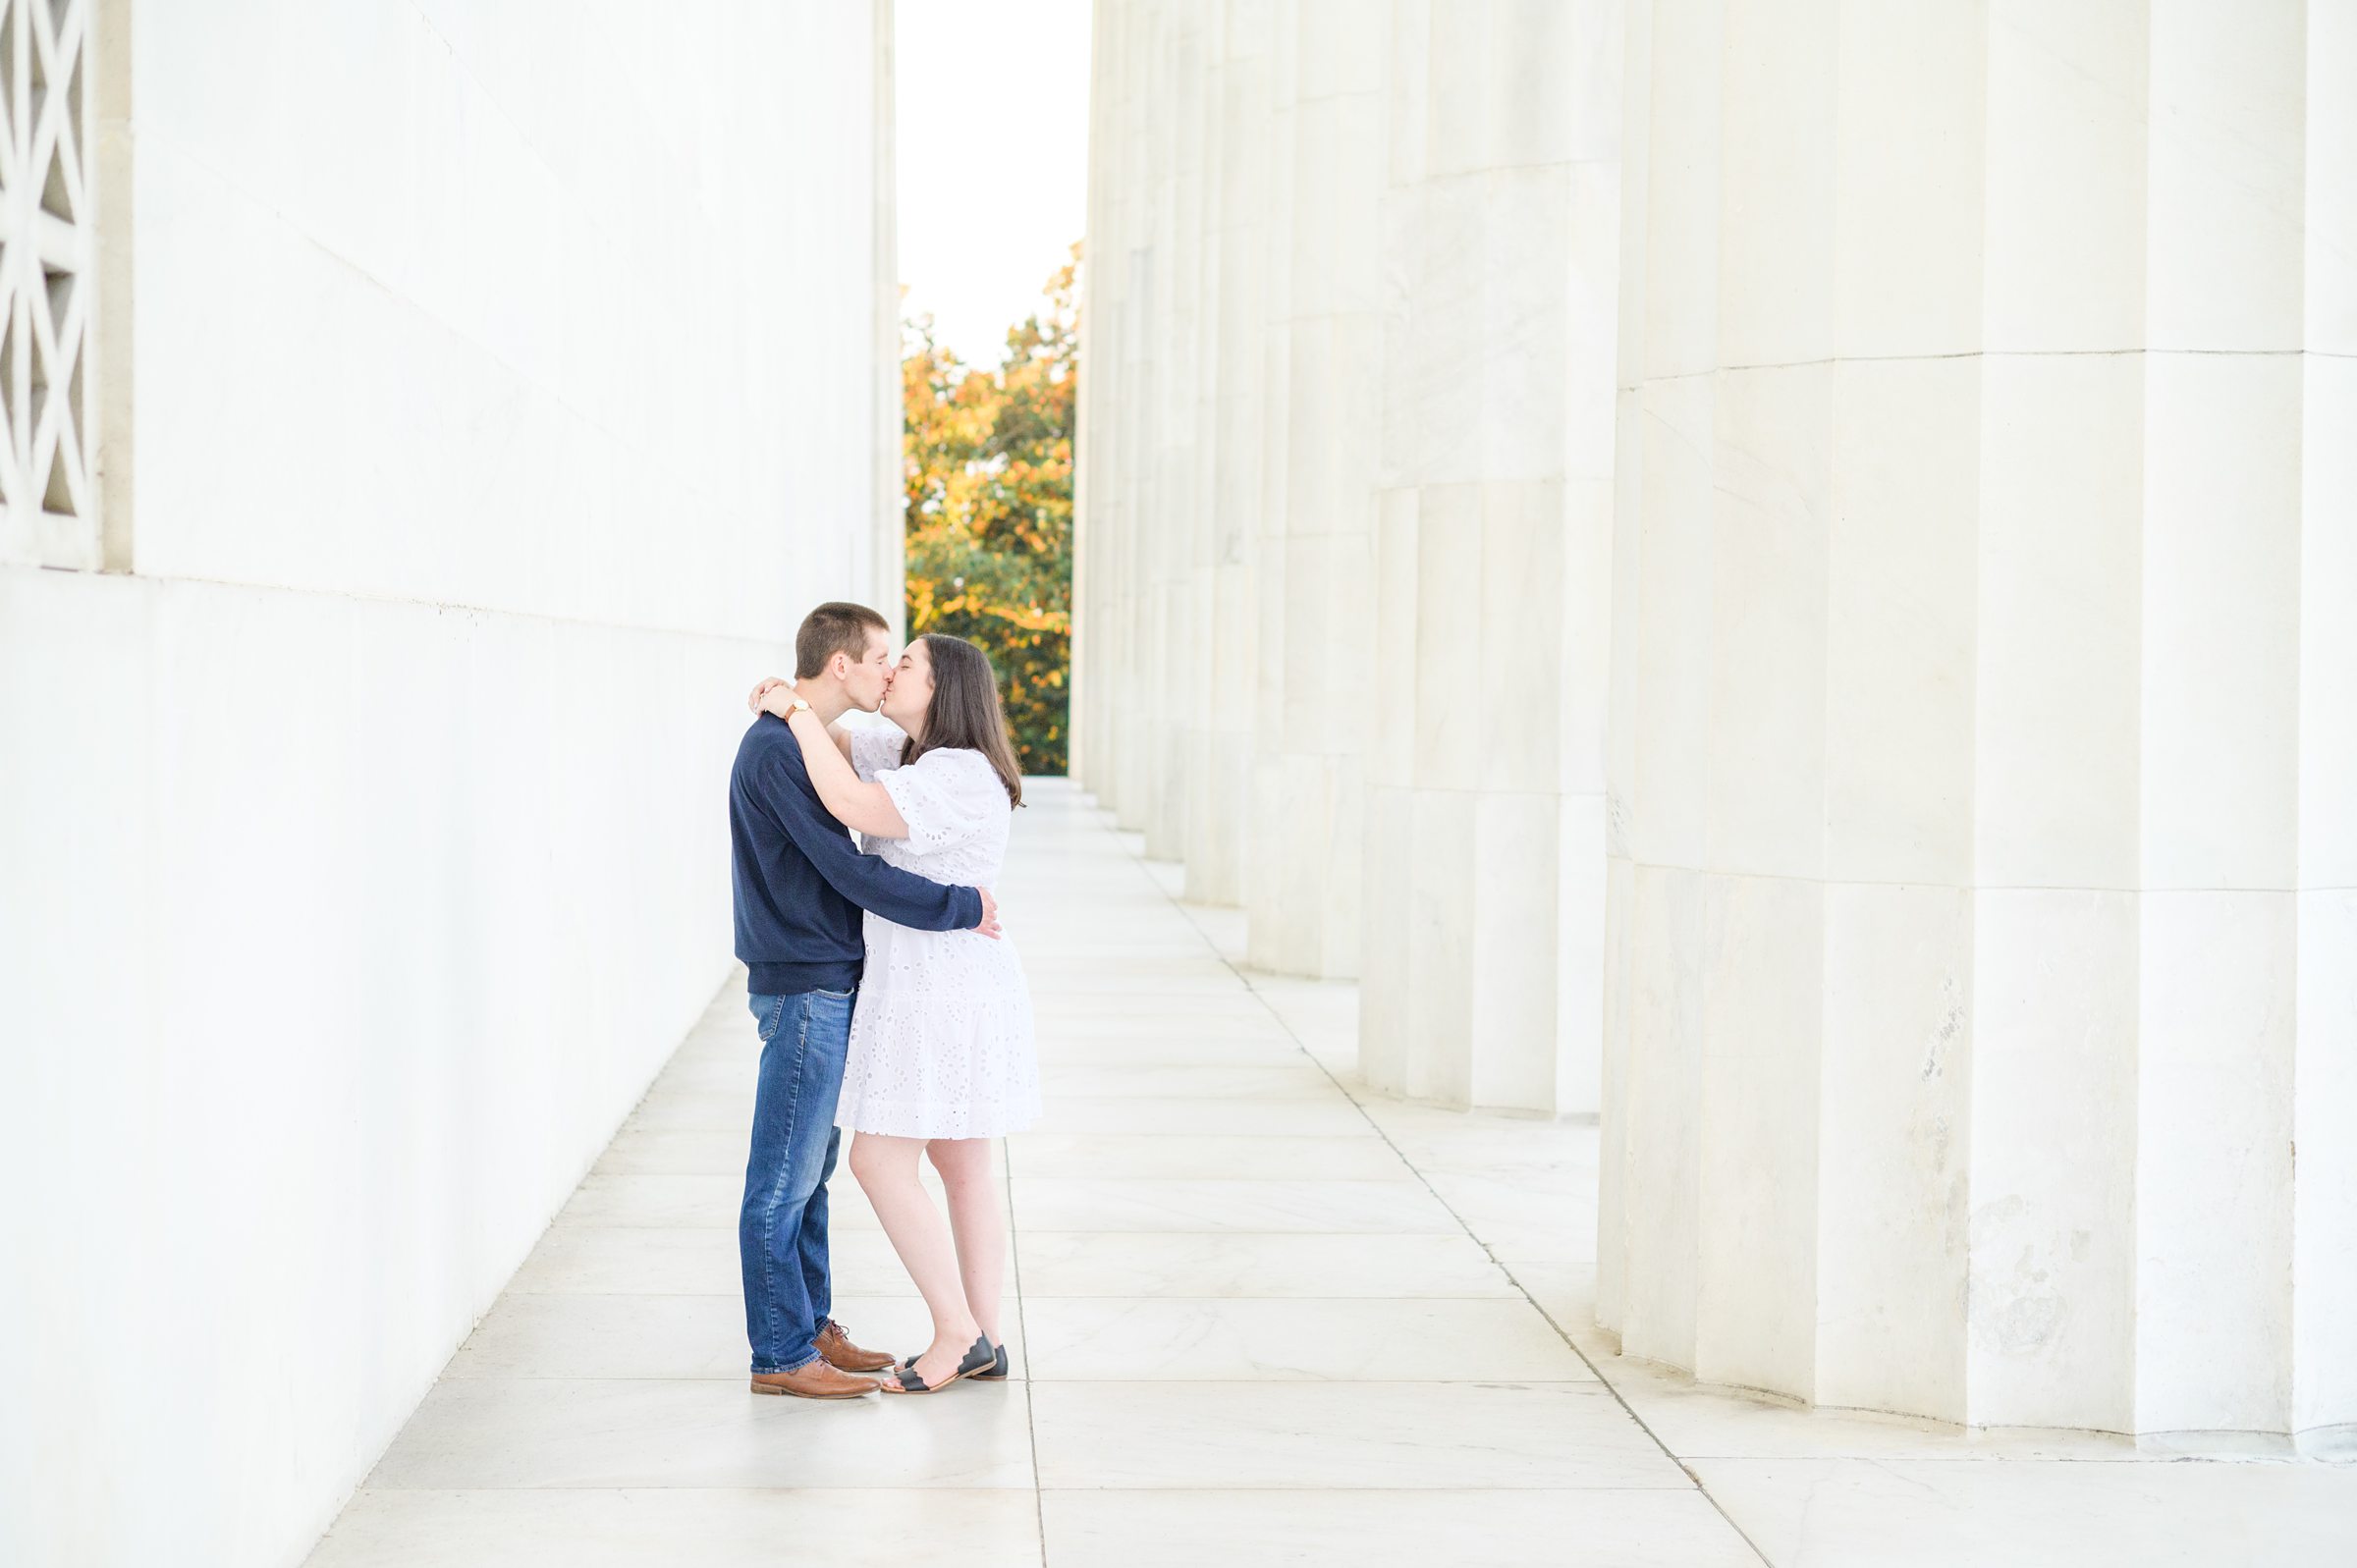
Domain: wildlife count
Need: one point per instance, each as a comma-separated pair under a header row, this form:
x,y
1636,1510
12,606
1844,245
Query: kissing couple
x,y
908,1025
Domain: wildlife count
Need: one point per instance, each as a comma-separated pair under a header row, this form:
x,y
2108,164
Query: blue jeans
x,y
782,1226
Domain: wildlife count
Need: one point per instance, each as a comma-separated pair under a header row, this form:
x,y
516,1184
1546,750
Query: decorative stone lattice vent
x,y
48,499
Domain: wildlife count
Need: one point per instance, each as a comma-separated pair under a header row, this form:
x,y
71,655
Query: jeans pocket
x,y
768,1014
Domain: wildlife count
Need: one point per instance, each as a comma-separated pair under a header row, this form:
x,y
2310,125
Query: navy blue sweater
x,y
801,882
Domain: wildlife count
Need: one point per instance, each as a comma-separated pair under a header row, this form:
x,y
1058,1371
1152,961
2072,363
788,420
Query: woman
x,y
941,1057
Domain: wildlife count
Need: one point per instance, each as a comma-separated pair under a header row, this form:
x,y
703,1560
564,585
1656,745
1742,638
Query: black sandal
x,y
979,1358
1001,1365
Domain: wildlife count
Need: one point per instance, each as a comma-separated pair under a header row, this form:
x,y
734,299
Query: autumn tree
x,y
989,509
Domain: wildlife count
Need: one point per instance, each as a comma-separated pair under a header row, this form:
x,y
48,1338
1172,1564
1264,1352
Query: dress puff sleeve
x,y
946,797
874,748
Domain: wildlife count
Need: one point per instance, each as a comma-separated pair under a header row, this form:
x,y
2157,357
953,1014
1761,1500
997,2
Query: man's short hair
x,y
834,628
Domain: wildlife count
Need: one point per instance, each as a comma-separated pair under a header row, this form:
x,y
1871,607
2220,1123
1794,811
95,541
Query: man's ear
x,y
839,665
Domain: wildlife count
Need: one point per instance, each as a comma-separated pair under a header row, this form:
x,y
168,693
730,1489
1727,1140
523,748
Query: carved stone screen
x,y
48,502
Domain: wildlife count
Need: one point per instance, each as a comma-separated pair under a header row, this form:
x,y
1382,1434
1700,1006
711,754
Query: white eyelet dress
x,y
941,1039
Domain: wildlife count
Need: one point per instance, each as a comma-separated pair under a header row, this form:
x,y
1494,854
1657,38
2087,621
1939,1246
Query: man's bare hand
x,y
990,915
762,691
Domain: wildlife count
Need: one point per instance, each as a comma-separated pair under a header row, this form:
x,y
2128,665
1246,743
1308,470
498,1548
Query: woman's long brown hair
x,y
964,711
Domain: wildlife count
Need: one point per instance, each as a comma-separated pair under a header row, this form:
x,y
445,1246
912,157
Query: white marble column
x,y
1484,882
1184,124
1104,631
1323,382
1222,659
1092,418
1980,932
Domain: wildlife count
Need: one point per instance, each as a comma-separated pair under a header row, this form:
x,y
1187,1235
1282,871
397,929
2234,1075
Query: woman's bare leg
x,y
977,1224
887,1173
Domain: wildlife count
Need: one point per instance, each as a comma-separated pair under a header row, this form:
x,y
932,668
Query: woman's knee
x,y
874,1158
959,1160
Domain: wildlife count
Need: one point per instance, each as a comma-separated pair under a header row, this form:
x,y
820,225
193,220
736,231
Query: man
x,y
799,887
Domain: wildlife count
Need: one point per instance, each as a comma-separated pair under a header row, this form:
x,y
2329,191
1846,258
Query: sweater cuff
x,y
970,907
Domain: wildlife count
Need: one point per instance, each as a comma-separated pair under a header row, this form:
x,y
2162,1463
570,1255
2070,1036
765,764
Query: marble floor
x,y
1260,1317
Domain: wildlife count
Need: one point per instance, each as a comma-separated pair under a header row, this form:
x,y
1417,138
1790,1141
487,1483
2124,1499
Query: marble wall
x,y
1893,746
503,394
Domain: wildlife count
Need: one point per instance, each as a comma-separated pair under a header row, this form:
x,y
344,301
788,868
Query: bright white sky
x,y
992,100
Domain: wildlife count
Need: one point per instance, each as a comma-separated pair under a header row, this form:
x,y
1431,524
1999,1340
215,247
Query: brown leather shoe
x,y
817,1380
837,1347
